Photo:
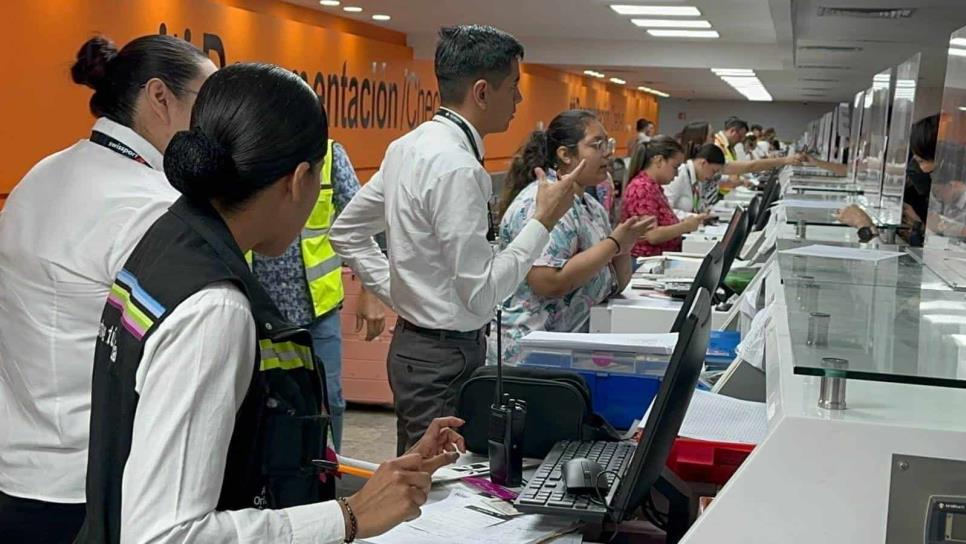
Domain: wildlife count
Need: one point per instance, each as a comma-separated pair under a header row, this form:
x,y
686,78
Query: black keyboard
x,y
545,492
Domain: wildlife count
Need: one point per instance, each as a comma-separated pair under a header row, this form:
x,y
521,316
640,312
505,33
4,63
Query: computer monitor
x,y
733,240
754,208
771,194
707,278
667,413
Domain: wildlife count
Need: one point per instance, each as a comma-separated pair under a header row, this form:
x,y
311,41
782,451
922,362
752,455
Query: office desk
x,y
823,476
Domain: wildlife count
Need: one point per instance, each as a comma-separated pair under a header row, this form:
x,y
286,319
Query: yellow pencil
x,y
355,471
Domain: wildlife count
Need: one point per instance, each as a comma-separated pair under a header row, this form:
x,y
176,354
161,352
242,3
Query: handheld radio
x,y
507,419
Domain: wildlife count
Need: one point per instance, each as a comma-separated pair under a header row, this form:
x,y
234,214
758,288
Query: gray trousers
x,y
426,371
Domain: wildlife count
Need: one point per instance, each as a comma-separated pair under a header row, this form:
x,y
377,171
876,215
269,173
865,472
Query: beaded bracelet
x,y
353,522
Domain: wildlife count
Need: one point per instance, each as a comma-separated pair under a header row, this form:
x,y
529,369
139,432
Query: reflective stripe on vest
x,y
284,355
323,268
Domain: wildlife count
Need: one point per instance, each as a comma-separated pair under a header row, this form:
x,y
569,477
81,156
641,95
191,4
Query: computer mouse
x,y
580,475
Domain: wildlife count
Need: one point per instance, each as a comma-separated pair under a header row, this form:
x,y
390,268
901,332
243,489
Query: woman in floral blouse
x,y
653,165
586,261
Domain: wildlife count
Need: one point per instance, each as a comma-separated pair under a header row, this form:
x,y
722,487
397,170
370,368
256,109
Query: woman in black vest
x,y
205,414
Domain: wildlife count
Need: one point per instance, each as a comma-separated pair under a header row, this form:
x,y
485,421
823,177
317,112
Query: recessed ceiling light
x,y
617,80
962,108
380,17
352,9
329,3
671,23
961,42
957,52
670,11
684,33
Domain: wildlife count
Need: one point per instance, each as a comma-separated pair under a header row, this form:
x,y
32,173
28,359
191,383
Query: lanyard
x,y
459,122
116,146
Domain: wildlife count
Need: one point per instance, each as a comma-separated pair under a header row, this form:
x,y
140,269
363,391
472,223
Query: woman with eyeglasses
x,y
586,262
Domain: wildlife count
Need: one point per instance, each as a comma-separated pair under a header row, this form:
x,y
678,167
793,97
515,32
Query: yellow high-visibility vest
x,y
721,141
323,267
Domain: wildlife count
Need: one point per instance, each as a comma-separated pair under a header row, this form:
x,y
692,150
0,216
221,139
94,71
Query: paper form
x,y
844,253
720,418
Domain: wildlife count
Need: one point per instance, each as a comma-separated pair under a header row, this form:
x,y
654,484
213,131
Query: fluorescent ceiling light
x,y
352,9
960,42
684,33
653,91
962,108
329,3
592,73
670,11
957,52
380,17
733,71
617,80
742,81
671,23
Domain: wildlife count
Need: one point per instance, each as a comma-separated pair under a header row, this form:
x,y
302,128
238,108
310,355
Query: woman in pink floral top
x,y
653,165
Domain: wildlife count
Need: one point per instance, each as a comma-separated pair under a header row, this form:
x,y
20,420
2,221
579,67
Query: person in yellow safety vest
x,y
306,281
733,133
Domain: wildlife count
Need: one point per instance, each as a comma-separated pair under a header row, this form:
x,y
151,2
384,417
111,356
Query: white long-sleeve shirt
x,y
192,379
65,232
430,196
680,192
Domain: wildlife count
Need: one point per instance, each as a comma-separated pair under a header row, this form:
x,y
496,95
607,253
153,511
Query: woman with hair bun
x,y
208,408
64,232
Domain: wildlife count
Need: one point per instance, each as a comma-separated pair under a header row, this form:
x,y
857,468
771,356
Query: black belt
x,y
444,334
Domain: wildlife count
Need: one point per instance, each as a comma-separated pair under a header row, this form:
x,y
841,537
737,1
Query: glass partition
x,y
946,223
855,134
841,138
874,132
897,155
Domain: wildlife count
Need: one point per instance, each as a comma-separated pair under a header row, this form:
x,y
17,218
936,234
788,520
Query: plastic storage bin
x,y
706,461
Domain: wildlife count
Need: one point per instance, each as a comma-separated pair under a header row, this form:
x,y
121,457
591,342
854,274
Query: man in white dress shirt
x,y
430,196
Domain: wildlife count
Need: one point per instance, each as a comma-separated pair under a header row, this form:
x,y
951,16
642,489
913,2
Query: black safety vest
x,y
282,423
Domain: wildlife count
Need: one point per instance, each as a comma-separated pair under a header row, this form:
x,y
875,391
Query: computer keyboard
x,y
545,492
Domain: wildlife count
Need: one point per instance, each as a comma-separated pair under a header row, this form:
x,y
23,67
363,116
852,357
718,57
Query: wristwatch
x,y
866,234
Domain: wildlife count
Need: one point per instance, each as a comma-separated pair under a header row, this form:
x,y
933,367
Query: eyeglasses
x,y
603,145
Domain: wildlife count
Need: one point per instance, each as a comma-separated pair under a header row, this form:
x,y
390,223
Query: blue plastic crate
x,y
620,398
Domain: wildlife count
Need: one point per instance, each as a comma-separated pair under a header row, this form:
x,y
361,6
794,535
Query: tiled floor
x,y
369,433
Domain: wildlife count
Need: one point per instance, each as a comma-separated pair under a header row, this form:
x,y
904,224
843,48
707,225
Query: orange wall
x,y
43,111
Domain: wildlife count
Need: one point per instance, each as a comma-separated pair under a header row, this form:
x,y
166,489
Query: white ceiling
x,y
771,36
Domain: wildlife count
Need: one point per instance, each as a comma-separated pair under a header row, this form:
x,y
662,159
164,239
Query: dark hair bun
x,y
92,59
200,167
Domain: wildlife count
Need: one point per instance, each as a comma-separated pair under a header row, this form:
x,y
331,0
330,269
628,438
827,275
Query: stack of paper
x,y
464,516
719,418
659,343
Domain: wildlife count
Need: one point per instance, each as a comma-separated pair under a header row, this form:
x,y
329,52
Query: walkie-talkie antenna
x,y
499,358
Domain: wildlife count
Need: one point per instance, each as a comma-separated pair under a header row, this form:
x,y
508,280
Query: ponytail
x,y
530,156
644,155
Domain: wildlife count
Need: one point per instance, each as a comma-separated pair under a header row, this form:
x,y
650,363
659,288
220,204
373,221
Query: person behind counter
x,y
65,231
207,406
695,189
915,207
586,262
654,165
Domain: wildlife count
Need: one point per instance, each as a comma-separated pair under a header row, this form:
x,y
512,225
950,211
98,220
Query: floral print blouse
x,y
524,311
